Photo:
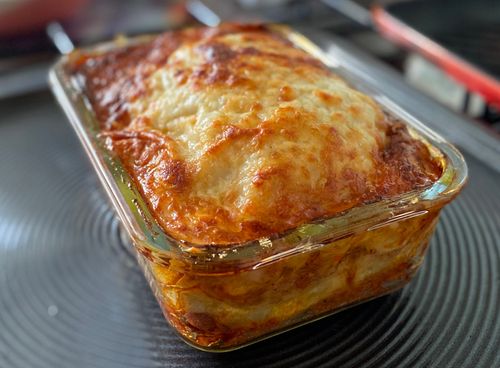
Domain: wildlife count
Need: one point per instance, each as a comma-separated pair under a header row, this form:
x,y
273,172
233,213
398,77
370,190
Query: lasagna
x,y
233,134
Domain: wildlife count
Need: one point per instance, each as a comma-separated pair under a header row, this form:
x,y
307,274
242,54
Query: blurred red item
x,y
474,78
30,15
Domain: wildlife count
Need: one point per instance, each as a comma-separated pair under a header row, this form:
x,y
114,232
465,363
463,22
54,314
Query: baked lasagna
x,y
234,134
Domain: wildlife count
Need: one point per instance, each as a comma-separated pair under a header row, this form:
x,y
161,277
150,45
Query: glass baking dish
x,y
222,297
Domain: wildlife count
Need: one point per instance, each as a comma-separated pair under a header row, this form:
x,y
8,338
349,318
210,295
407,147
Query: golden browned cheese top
x,y
233,134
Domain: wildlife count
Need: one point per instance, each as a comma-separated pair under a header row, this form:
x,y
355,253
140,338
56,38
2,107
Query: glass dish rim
x,y
153,241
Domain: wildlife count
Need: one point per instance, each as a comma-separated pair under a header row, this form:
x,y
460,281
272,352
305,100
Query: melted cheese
x,y
236,135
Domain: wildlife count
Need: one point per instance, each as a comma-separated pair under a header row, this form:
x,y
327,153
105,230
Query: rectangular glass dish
x,y
222,297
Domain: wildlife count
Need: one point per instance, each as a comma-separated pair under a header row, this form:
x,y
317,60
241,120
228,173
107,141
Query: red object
x,y
32,15
474,78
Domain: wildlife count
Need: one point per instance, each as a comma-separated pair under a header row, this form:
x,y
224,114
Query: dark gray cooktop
x,y
71,294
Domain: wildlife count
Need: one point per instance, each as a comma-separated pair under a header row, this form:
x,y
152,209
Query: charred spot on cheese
x,y
232,134
327,98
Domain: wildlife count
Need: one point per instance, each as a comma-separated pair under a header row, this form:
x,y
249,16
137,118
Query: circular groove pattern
x,y
71,293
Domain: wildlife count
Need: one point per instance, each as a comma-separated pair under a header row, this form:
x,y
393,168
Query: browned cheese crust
x,y
233,134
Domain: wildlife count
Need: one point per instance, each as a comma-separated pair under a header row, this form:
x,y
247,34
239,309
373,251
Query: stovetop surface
x,y
71,294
